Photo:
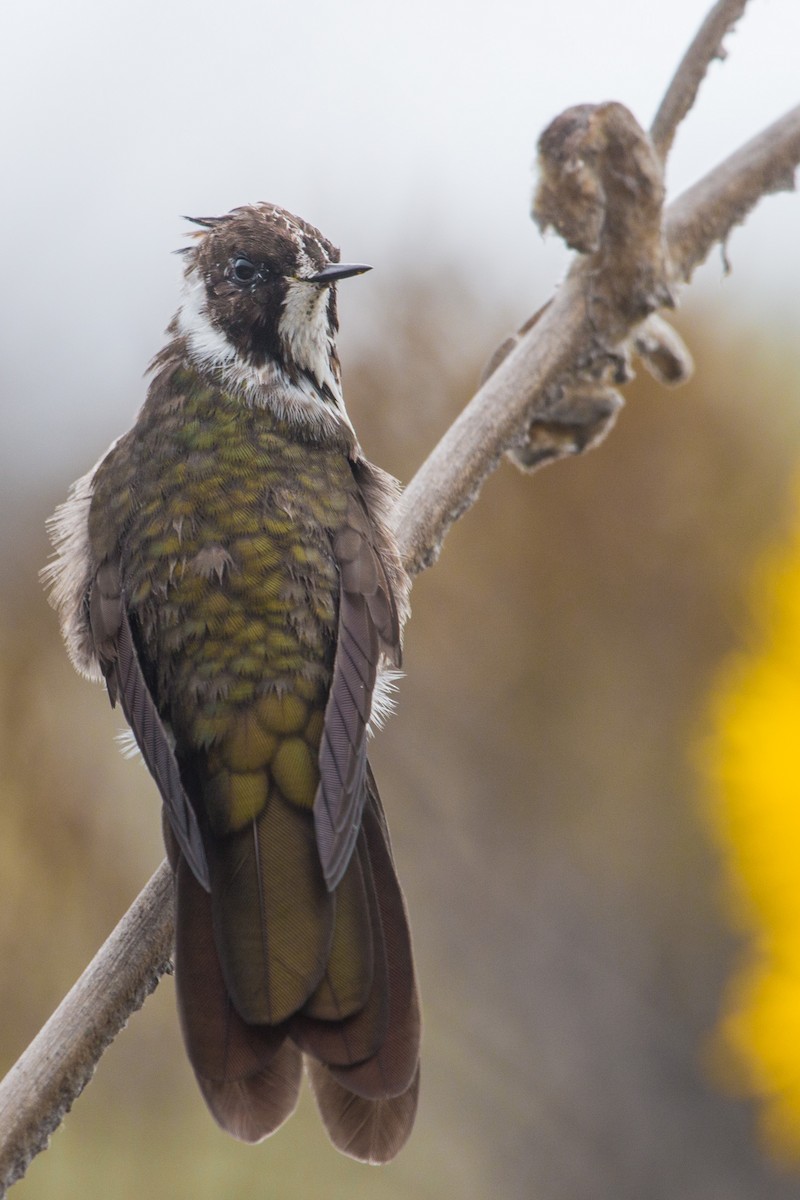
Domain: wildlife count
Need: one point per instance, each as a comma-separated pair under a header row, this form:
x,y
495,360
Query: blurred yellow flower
x,y
753,763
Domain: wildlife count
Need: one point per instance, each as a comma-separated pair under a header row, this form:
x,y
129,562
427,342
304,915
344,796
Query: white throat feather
x,y
312,398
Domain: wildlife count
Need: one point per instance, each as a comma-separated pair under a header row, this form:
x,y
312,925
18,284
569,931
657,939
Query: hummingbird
x,y
228,570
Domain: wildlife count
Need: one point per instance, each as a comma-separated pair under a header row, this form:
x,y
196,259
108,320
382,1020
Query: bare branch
x,y
707,212
449,480
548,394
682,91
40,1088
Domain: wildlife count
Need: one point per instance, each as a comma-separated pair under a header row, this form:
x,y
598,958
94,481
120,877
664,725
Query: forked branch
x,y
704,215
682,92
581,335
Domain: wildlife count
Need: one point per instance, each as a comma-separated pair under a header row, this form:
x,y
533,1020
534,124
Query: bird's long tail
x,y
358,1026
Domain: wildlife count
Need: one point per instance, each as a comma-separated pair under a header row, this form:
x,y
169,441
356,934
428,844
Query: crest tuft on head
x,y
206,222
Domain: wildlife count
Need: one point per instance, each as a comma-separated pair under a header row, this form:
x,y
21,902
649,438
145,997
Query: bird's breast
x,y
226,527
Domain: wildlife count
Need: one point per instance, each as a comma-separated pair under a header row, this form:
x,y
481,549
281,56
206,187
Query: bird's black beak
x,y
336,271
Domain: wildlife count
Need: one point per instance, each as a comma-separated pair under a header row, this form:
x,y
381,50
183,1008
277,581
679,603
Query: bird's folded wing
x,y
119,661
368,629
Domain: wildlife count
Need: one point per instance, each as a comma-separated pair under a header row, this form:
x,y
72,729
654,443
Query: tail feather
x,y
391,1069
249,1075
356,1017
347,983
273,915
373,1131
360,1035
251,1109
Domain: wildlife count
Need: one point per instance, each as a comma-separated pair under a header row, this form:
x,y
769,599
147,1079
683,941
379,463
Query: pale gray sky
x,y
406,132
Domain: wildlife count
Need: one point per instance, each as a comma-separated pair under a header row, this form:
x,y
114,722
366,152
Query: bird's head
x,y
259,301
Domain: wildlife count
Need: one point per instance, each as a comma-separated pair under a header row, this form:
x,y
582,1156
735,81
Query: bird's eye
x,y
243,270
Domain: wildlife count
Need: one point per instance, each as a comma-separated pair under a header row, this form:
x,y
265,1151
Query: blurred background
x,y
575,778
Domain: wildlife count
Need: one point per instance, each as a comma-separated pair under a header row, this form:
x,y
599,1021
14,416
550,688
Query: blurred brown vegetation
x,y
539,781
